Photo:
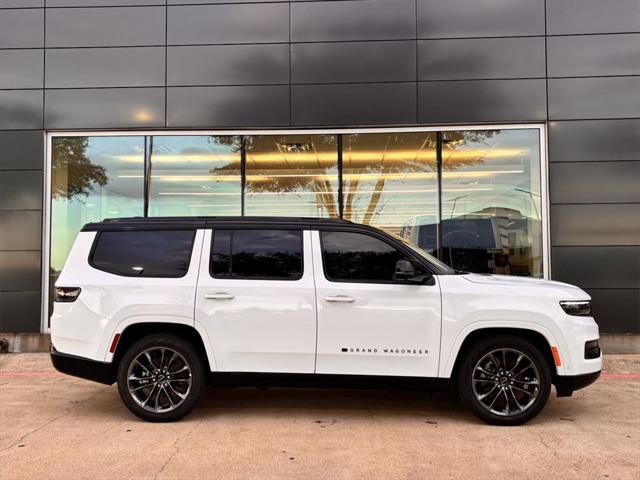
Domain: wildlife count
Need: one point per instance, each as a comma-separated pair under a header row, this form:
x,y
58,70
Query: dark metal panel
x,y
21,150
20,229
595,182
597,267
105,67
613,224
21,3
105,27
21,68
242,23
354,104
594,55
255,106
592,16
616,311
104,108
20,190
489,18
481,58
482,101
22,28
583,98
228,64
594,140
353,20
344,62
20,271
102,3
20,109
19,312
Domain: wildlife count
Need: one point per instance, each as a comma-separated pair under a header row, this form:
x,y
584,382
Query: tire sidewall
x,y
465,375
192,357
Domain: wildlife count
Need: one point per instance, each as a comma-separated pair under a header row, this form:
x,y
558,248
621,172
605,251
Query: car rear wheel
x,y
161,378
504,380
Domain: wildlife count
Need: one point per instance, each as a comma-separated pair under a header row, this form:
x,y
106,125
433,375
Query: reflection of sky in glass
x,y
122,196
195,175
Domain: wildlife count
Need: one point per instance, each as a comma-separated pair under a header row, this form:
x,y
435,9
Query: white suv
x,y
162,305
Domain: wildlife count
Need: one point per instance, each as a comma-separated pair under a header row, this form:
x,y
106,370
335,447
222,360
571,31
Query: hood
x,y
507,280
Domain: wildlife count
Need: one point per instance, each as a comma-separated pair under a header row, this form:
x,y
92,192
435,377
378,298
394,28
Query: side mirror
x,y
406,272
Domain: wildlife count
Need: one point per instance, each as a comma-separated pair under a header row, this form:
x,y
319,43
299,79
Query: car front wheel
x,y
161,378
504,380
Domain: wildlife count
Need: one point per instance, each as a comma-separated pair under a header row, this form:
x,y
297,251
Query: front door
x,y
370,323
256,299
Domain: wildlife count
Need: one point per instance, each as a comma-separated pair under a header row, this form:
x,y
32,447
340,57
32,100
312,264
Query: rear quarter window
x,y
144,253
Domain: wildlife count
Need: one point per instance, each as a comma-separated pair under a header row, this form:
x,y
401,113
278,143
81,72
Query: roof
x,y
203,222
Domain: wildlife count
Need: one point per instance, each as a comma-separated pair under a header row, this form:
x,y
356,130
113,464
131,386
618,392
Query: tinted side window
x,y
257,254
144,253
358,257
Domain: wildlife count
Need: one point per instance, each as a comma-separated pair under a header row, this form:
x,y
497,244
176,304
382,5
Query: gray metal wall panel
x,y
353,20
105,27
21,68
228,64
20,190
595,224
592,16
616,311
102,3
104,108
595,182
20,271
21,150
482,101
594,140
353,104
20,230
22,28
20,109
583,98
21,3
471,18
593,55
242,23
228,106
19,312
351,62
597,267
105,67
481,58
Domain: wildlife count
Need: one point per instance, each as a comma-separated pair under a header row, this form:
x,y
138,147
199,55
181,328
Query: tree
x,y
73,173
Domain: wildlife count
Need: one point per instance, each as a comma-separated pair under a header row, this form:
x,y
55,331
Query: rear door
x,y
369,323
256,299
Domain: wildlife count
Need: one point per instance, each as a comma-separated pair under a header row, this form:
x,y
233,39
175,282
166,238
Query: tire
x,y
171,389
500,395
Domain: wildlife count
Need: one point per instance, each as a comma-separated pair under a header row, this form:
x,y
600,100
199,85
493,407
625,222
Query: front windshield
x,y
443,268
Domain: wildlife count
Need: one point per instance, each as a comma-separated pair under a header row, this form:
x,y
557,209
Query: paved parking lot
x,y
54,426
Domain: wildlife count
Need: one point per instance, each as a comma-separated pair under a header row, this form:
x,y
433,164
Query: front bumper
x,y
86,368
566,385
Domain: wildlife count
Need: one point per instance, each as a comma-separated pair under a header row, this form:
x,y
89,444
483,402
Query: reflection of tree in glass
x,y
73,172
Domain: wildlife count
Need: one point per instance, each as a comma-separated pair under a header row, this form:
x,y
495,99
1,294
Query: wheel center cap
x,y
504,381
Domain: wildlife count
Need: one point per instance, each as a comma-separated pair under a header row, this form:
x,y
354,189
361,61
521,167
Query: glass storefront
x,y
471,197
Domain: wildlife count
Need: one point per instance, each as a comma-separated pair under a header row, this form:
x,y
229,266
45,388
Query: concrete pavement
x,y
59,427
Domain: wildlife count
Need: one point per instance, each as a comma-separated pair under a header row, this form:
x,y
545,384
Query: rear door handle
x,y
219,296
340,299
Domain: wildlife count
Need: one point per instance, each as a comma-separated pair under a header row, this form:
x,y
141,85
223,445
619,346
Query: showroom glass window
x,y
389,180
194,175
491,201
292,175
92,178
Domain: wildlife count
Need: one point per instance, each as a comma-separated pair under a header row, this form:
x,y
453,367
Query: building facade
x,y
501,135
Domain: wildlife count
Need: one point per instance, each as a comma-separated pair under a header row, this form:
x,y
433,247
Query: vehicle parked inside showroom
x,y
163,305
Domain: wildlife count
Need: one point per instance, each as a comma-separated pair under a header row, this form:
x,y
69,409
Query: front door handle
x,y
219,296
340,299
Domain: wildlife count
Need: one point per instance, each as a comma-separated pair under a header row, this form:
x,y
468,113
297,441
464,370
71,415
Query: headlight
x,y
581,308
